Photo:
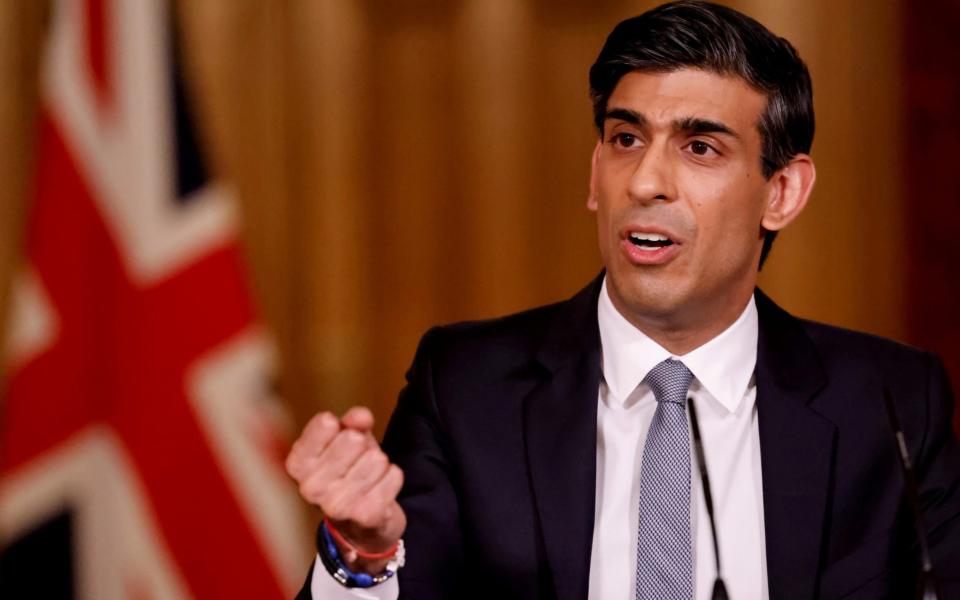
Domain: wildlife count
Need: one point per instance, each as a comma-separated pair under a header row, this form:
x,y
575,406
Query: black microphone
x,y
719,588
927,590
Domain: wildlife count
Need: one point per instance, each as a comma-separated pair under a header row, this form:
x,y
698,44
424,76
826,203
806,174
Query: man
x,y
549,455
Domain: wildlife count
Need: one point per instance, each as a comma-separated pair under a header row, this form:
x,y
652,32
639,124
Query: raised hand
x,y
340,468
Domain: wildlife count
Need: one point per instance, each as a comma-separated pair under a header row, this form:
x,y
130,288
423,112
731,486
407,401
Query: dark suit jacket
x,y
496,434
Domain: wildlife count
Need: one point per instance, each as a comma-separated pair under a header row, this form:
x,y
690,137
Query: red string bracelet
x,y
356,551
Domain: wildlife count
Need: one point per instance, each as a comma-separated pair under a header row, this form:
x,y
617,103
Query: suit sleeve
x,y
938,470
416,440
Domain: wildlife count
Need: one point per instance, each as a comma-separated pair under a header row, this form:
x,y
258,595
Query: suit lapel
x,y
796,448
560,426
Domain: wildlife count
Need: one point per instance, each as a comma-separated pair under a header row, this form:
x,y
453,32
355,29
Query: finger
x,y
362,475
375,507
338,457
359,418
316,436
385,491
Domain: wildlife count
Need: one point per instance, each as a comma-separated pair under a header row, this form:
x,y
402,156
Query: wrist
x,y
353,568
365,552
362,565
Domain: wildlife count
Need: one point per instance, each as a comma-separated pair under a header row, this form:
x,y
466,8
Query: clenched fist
x,y
341,468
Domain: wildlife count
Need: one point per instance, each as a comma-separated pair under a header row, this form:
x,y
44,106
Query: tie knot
x,y
669,381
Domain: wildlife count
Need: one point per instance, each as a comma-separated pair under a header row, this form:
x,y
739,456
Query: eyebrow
x,y
626,115
695,125
689,125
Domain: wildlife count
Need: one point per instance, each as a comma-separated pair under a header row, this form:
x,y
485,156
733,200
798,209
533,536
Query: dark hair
x,y
702,35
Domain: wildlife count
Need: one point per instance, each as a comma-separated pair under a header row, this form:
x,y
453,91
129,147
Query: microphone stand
x,y
719,588
927,590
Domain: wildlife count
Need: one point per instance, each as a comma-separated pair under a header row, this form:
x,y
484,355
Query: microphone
x,y
719,588
927,590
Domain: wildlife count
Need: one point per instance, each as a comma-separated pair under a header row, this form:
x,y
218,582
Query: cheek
x,y
604,208
604,227
729,226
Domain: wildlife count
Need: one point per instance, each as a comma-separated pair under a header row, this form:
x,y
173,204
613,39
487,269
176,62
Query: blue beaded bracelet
x,y
339,570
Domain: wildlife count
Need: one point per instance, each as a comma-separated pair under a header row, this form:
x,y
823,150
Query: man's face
x,y
680,196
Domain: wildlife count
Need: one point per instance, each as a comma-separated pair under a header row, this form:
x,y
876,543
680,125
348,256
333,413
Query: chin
x,y
646,297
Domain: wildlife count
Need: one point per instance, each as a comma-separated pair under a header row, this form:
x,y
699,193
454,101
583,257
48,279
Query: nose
x,y
652,180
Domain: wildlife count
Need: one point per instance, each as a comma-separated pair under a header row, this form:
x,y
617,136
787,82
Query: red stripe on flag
x,y
121,358
98,29
61,391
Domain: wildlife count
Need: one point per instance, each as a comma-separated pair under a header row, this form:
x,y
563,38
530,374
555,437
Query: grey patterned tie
x,y
664,547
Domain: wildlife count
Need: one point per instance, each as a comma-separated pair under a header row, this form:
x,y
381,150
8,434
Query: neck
x,y
684,331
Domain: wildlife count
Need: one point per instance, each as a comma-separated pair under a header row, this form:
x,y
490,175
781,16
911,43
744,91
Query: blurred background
x,y
404,163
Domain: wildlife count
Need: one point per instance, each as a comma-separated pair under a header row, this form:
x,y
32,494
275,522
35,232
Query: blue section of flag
x,y
39,563
190,167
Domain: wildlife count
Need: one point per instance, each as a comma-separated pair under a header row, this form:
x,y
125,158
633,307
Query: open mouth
x,y
649,242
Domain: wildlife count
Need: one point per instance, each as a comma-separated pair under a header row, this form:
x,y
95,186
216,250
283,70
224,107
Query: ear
x,y
791,187
592,196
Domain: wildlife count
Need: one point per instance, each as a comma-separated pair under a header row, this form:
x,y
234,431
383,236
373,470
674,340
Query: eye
x,y
701,148
625,140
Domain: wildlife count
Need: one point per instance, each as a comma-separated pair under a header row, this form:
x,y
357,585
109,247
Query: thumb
x,y
359,418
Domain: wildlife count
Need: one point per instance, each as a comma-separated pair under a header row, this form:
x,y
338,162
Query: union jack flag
x,y
138,447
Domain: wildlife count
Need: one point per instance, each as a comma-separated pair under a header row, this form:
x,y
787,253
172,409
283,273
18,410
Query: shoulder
x,y
844,354
493,349
849,349
916,378
470,375
502,342
861,368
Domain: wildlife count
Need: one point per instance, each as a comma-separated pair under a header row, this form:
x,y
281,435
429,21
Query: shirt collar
x,y
724,365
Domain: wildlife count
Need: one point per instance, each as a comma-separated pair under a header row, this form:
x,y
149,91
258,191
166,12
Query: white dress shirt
x,y
724,394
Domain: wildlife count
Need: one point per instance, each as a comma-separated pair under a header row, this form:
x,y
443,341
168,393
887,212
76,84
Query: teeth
x,y
649,237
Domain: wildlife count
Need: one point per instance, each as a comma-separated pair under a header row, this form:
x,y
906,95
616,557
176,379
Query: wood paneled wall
x,y
21,27
406,163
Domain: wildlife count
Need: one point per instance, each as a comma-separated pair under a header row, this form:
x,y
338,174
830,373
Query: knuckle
x,y
312,490
351,440
296,446
306,491
320,425
396,473
328,421
311,425
378,460
397,481
290,464
355,411
294,463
